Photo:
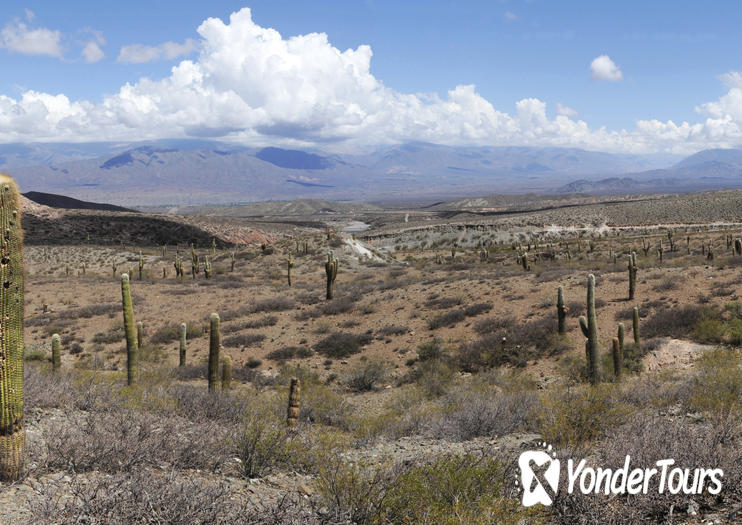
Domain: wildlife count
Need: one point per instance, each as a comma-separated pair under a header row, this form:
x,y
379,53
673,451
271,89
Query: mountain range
x,y
195,172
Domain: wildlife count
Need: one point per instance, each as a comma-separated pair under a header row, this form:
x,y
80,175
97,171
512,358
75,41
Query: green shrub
x,y
717,385
341,344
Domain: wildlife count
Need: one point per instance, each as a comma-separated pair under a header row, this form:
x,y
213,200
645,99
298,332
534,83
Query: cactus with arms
x,y
589,328
632,275
331,269
12,431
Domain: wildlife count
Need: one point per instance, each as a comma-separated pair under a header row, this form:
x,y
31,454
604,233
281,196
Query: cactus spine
x,y
331,269
132,350
12,431
214,352
183,330
289,265
292,415
589,328
637,340
632,275
561,311
56,353
226,373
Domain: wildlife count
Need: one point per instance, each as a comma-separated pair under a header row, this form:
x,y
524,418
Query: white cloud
x,y
249,84
603,68
30,15
565,110
92,51
509,15
19,38
139,53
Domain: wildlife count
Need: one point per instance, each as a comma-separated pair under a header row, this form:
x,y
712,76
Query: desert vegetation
x,y
302,379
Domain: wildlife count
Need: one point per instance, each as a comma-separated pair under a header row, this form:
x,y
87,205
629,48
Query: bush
x,y
578,416
367,376
243,340
341,344
264,444
169,332
289,352
477,309
717,385
449,318
455,489
392,329
675,322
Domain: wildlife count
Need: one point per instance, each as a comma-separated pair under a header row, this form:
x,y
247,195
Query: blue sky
x,y
517,63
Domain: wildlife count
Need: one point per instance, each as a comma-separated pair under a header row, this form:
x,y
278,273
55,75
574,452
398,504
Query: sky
x,y
347,75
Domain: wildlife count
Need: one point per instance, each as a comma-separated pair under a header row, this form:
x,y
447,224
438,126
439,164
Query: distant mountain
x,y
68,203
184,172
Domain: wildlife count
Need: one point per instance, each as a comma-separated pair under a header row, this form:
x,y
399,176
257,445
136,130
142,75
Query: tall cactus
x,y
589,328
289,265
621,331
561,311
637,339
140,335
214,341
226,373
183,331
141,264
632,275
331,269
292,414
12,431
56,353
617,359
132,350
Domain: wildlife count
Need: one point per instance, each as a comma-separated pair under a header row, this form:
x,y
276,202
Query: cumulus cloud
x,y
603,68
251,85
92,51
140,53
509,15
565,110
17,37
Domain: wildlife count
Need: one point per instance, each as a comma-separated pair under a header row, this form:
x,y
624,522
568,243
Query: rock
x,y
692,508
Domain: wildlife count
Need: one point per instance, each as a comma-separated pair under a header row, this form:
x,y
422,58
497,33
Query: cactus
x,y
289,265
292,415
231,261
114,267
617,359
632,275
183,330
621,332
213,246
207,267
737,247
140,335
132,350
56,353
637,340
710,253
141,265
214,338
671,240
561,311
646,246
589,328
331,269
12,432
226,373
660,251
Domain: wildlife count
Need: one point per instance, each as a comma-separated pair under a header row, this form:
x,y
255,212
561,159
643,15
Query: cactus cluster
x,y
12,430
